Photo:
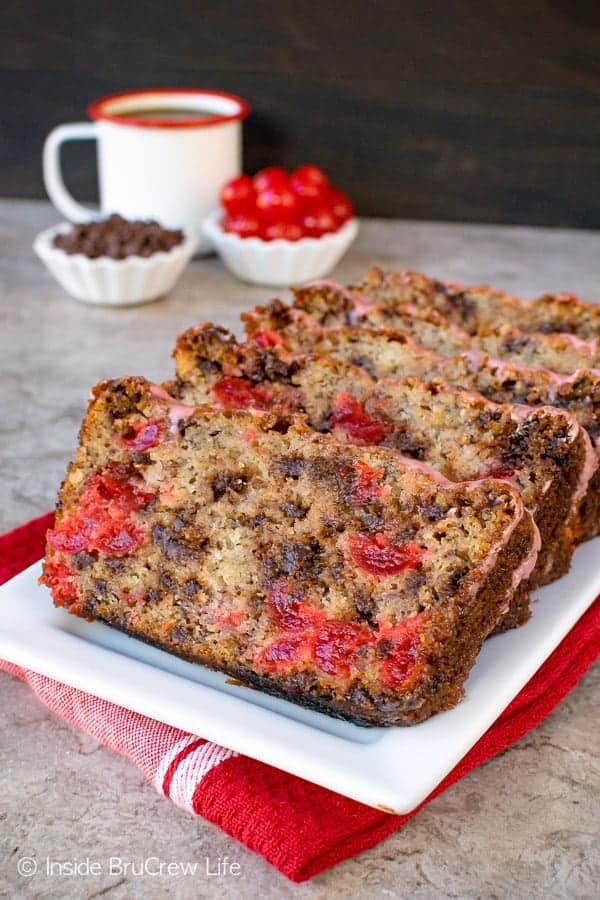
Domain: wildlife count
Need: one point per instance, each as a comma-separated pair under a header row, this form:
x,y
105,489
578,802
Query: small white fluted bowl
x,y
279,263
113,282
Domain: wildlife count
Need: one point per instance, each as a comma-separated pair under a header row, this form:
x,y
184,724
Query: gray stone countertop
x,y
524,825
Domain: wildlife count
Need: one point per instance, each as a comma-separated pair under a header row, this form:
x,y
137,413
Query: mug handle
x,y
53,180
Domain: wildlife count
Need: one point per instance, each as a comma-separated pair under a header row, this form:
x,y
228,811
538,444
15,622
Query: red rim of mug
x,y
96,109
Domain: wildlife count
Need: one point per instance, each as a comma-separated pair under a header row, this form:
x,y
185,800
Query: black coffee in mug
x,y
165,113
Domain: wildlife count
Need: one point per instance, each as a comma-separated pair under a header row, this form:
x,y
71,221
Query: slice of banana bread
x,y
543,451
390,351
332,304
562,353
336,576
477,307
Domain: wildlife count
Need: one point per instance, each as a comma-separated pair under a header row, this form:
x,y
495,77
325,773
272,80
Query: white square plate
x,y
390,768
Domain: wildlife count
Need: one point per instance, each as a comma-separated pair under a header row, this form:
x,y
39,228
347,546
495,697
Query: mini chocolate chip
x,y
228,481
256,521
383,648
190,589
179,634
290,466
100,587
294,510
83,560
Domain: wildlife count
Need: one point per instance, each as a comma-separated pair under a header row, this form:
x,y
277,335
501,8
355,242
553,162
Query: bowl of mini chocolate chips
x,y
115,261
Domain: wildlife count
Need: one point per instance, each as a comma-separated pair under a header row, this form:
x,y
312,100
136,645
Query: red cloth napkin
x,y
298,827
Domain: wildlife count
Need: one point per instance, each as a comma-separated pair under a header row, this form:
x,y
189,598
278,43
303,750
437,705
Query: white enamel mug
x,y
162,154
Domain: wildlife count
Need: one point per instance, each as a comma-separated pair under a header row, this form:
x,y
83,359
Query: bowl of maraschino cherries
x,y
281,228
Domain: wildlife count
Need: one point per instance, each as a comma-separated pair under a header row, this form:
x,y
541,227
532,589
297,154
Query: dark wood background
x,y
457,110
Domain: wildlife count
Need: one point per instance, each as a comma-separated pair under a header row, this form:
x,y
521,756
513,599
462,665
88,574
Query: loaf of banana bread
x,y
339,577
